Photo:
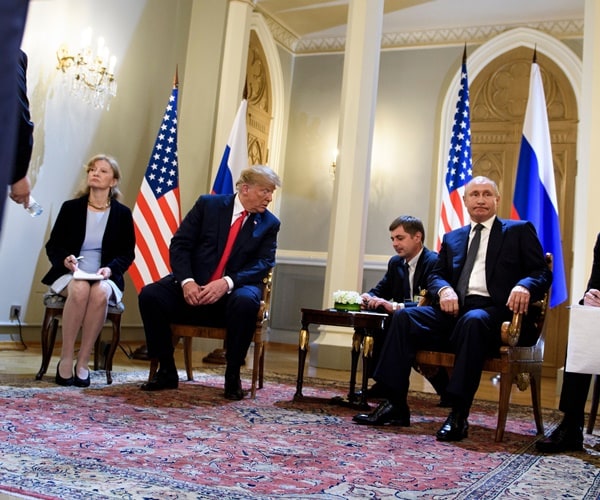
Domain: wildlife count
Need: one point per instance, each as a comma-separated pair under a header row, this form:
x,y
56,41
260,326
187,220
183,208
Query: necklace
x,y
99,208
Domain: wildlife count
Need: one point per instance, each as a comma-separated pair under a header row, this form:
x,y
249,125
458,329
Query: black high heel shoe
x,y
81,382
67,382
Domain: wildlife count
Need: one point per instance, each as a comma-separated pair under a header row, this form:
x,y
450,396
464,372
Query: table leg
x,y
357,339
302,350
367,357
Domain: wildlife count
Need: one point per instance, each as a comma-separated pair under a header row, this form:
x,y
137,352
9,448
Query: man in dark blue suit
x,y
474,292
198,293
20,186
401,286
13,15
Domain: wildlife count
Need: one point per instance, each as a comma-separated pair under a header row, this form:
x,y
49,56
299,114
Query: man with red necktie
x,y
216,278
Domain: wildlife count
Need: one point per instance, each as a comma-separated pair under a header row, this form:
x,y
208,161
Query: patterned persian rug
x,y
119,442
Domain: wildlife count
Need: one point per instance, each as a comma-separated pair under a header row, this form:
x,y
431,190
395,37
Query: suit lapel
x,y
493,249
418,272
224,222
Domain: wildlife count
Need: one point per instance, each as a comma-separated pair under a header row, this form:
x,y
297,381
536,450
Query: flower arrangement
x,y
347,301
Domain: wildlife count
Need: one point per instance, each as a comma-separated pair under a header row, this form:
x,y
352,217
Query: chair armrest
x,y
511,330
424,299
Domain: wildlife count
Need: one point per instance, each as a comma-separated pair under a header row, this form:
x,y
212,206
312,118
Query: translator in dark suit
x,y
568,436
396,281
195,251
392,285
68,233
575,386
514,257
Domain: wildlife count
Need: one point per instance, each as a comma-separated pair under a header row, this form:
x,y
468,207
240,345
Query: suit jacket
x,y
391,286
199,242
514,257
594,281
25,130
68,233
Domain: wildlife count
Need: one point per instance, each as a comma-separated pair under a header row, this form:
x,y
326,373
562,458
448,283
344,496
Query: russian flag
x,y
535,191
235,156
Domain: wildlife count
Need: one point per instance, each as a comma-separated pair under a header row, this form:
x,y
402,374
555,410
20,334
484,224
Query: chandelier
x,y
89,73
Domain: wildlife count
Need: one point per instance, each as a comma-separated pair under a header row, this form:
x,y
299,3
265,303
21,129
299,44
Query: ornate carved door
x,y
258,119
498,99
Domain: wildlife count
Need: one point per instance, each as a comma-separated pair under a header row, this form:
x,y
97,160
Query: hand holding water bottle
x,y
33,207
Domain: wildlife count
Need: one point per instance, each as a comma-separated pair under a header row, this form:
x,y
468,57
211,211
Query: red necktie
x,y
233,232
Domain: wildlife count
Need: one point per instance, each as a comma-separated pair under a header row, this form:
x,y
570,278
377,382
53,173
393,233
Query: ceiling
x,y
327,18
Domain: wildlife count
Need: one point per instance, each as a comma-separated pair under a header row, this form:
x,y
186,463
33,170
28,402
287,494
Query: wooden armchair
x,y
519,360
188,332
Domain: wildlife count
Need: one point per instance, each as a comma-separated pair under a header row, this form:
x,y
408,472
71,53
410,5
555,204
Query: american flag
x,y
459,172
157,211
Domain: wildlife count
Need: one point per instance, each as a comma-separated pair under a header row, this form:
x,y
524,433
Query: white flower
x,y
346,297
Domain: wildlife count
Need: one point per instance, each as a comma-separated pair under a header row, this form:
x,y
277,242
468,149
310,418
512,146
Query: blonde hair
x,y
115,192
258,174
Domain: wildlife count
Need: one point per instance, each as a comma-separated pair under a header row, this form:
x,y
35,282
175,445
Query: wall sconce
x,y
89,74
334,161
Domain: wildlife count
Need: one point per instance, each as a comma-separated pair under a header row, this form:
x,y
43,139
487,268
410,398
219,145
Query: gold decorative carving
x,y
303,340
258,88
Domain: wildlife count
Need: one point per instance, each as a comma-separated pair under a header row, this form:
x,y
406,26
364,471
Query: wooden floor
x,y
279,358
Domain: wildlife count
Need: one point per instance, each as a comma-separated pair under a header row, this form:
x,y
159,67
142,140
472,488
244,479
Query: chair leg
x,y
594,407
535,379
116,339
261,366
49,324
258,352
187,356
505,388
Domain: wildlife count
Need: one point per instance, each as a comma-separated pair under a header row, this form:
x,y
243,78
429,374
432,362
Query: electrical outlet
x,y
15,312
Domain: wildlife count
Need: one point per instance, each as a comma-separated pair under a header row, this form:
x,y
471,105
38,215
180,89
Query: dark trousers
x,y
162,303
472,337
573,396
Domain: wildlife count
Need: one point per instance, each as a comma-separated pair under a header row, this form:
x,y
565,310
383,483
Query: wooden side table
x,y
365,325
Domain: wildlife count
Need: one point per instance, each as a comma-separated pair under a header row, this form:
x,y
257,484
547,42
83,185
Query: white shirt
x,y
477,280
412,267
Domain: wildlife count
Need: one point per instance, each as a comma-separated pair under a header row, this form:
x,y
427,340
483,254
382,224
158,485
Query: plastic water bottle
x,y
33,207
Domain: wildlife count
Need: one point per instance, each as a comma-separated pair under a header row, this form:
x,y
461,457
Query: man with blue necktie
x,y
485,272
400,287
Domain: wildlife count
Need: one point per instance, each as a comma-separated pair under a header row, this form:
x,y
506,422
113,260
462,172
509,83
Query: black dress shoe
x,y
233,389
161,381
565,437
385,413
455,428
67,382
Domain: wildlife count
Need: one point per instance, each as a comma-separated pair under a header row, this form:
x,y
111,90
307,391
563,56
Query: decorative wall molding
x,y
563,29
